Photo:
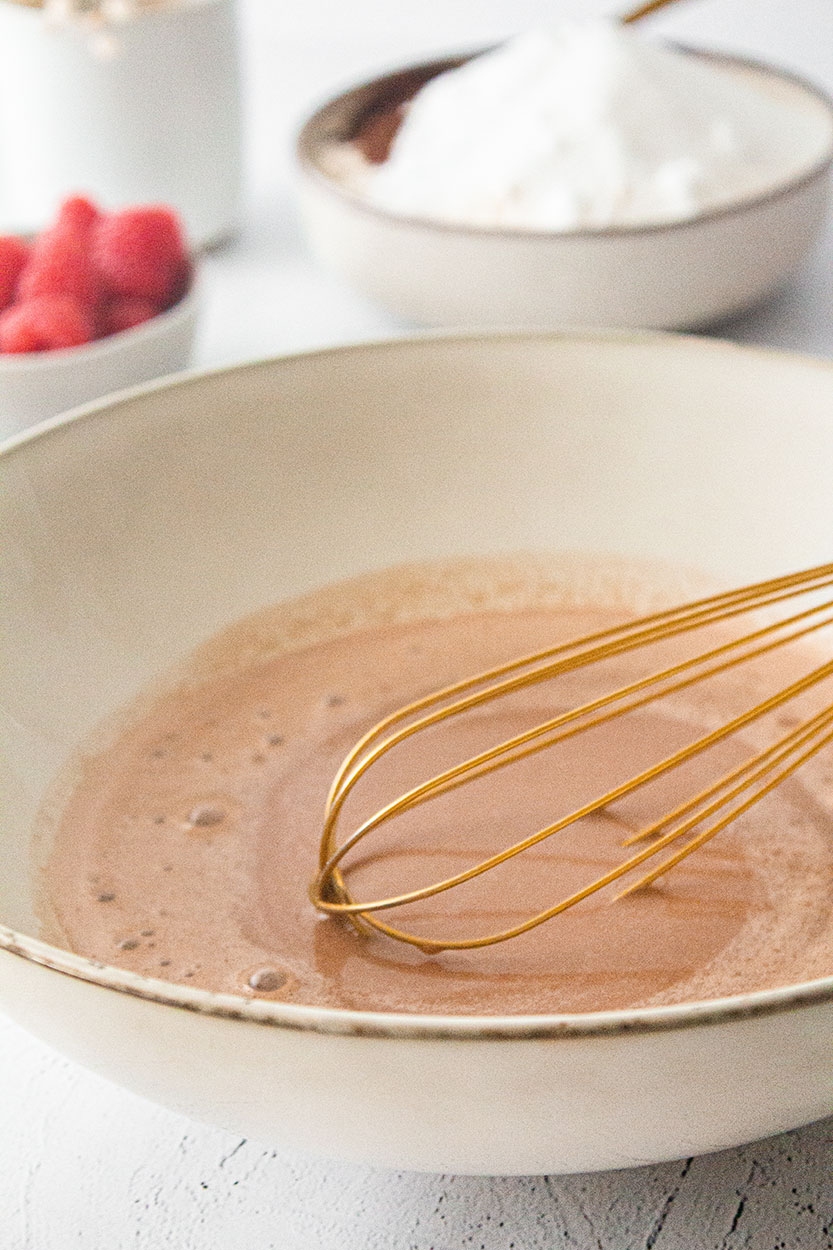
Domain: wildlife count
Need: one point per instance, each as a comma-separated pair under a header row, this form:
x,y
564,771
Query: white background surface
x,y
85,1164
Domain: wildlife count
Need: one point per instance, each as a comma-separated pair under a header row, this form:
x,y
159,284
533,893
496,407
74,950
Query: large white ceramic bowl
x,y
673,276
135,529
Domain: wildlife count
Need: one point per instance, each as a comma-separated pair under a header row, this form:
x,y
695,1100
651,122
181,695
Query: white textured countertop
x,y
85,1164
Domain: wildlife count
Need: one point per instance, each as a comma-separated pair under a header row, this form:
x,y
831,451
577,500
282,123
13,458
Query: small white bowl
x,y
675,275
42,384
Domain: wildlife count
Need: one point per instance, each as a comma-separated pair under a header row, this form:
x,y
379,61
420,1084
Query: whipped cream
x,y
584,124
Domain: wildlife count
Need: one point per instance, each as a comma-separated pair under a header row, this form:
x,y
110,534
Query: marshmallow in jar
x,y
130,101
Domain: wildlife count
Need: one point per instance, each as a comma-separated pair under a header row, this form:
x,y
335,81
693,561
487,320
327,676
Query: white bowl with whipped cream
x,y
578,175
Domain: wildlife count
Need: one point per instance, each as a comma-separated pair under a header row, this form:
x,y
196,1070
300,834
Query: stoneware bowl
x,y
41,384
135,529
672,276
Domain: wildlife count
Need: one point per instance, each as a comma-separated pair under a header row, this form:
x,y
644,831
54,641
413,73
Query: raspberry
x,y
60,264
44,323
16,334
124,312
14,253
141,251
77,214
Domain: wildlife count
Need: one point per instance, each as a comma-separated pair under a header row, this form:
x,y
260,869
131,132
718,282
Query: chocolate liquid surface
x,y
184,838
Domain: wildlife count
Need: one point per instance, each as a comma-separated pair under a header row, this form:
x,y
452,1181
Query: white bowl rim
x,y
77,357
400,1025
307,147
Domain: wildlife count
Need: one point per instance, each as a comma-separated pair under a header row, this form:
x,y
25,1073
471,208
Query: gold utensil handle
x,y
644,10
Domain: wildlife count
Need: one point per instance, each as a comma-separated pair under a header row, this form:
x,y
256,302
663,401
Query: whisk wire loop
x,y
329,891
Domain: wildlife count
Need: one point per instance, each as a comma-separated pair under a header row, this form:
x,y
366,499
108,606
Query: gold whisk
x,y
725,799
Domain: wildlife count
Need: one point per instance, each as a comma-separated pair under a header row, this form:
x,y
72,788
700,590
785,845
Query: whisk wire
x,y
734,813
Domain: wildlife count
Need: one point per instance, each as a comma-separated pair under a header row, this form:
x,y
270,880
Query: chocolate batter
x,y
188,832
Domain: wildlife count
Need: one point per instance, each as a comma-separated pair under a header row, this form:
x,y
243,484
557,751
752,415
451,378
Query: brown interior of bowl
x,y
369,116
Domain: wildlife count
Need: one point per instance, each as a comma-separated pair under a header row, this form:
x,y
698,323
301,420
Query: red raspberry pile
x,y
89,275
